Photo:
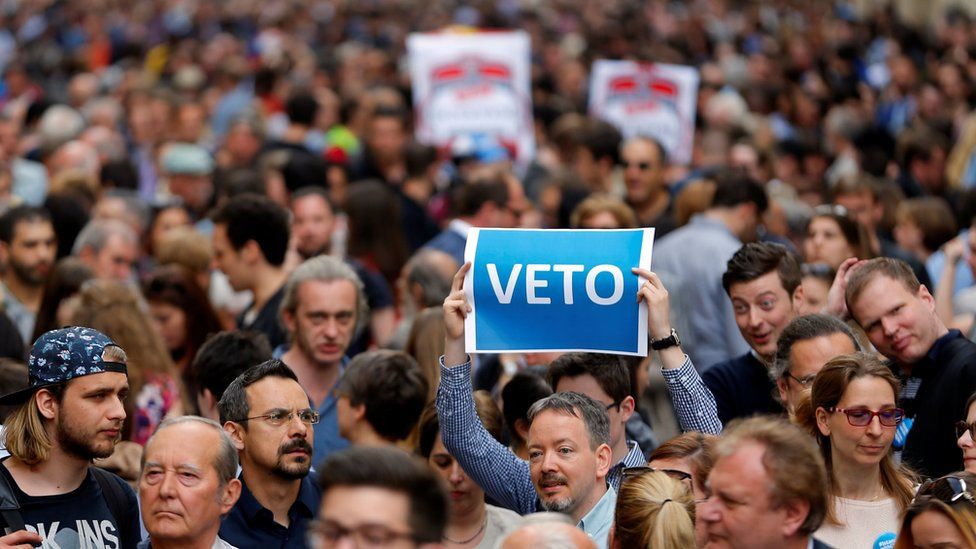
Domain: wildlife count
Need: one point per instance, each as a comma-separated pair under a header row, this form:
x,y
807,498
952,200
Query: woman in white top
x,y
470,521
852,412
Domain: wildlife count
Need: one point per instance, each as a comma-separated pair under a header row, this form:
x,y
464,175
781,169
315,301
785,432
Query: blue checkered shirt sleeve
x,y
693,402
500,473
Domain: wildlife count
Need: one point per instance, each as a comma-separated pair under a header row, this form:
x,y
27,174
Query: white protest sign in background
x,y
653,100
535,290
473,83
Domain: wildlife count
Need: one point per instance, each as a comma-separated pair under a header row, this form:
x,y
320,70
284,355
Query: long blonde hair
x,y
654,511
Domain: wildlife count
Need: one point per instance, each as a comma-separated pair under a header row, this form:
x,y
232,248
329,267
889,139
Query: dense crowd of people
x,y
232,282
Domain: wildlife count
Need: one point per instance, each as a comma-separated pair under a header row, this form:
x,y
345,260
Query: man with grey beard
x,y
269,418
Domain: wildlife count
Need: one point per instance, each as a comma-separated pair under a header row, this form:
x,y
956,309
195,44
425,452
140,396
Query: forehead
x,y
639,148
32,228
309,204
809,355
769,282
93,382
334,295
741,471
824,224
189,444
552,425
583,383
879,291
275,392
868,390
356,505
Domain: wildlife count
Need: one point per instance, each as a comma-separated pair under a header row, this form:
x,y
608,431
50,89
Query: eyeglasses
x,y
948,489
803,381
611,405
862,417
326,533
280,417
642,166
963,427
631,472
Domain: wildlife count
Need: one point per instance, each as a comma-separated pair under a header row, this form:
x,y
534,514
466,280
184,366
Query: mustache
x,y
552,479
297,444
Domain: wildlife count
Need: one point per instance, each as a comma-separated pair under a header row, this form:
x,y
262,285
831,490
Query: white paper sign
x,y
473,83
653,100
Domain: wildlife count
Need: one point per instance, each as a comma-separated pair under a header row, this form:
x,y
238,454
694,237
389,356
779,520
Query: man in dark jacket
x,y
937,365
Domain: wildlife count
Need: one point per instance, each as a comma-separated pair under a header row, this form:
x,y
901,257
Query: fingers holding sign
x,y
21,539
655,295
456,309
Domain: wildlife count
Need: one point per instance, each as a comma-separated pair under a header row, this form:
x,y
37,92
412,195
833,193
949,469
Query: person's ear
x,y
604,459
47,404
822,424
250,252
236,432
627,406
798,298
4,252
796,512
522,428
207,404
229,495
358,412
783,391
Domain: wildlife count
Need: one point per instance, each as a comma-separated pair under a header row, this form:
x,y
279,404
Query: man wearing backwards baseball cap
x,y
71,413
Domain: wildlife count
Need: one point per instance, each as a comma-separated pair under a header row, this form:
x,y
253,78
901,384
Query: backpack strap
x,y
115,498
9,506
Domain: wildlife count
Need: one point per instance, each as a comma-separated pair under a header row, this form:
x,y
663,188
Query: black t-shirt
x,y
79,519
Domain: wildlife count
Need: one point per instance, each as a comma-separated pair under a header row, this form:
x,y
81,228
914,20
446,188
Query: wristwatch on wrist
x,y
670,341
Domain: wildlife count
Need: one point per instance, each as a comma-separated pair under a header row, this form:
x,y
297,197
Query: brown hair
x,y
894,269
931,497
426,344
932,216
854,233
828,389
654,511
186,247
791,459
695,447
429,427
599,203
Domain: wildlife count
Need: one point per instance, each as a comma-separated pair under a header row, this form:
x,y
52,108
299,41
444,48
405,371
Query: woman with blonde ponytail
x,y
653,510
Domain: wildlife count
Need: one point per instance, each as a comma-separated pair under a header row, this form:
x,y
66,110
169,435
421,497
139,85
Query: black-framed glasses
x,y
948,489
612,405
964,427
631,472
862,417
281,417
323,534
804,381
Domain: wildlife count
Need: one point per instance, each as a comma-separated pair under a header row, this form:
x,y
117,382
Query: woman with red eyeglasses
x,y
853,415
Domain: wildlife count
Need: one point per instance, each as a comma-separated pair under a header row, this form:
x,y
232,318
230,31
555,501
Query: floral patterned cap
x,y
60,355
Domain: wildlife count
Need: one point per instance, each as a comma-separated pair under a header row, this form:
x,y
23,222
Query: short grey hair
x,y
324,268
422,270
97,232
571,403
58,125
226,463
803,328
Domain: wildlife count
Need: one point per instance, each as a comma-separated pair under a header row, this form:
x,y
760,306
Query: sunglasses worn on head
x,y
631,472
862,417
947,489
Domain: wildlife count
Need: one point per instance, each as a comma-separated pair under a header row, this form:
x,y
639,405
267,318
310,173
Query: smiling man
x,y
763,282
187,484
71,413
937,366
269,418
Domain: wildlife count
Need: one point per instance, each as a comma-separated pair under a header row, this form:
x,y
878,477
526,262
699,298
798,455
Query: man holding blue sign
x,y
494,467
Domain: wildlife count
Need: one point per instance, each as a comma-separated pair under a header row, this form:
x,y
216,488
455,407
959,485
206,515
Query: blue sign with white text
x,y
556,290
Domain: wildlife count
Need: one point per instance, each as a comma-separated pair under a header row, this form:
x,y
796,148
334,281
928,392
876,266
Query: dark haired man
x,y
645,162
222,358
380,397
937,365
28,248
269,418
383,493
71,413
690,262
250,239
763,285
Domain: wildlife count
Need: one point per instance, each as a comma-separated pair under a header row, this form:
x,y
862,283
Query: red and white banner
x,y
653,100
469,84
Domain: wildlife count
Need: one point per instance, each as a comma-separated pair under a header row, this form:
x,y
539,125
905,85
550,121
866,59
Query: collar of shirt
x,y
460,227
598,521
941,342
702,221
306,504
634,458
